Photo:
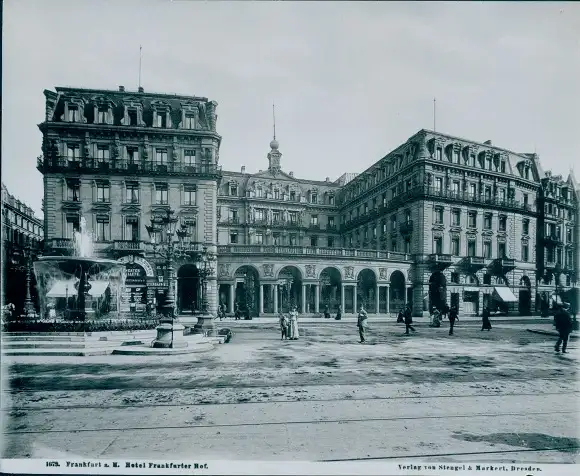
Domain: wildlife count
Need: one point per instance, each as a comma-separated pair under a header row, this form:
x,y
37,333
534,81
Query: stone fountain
x,y
77,275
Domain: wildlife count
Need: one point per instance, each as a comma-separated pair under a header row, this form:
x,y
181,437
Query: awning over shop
x,y
505,294
62,289
98,288
471,290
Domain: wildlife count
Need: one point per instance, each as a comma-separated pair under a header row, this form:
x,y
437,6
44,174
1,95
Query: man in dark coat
x,y
453,316
408,320
563,323
486,323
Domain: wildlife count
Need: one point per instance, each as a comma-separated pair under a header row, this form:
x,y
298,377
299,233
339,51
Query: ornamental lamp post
x,y
29,310
162,232
205,319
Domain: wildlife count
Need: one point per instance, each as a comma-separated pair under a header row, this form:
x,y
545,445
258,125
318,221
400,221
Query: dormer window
x,y
313,197
456,156
259,192
132,114
331,200
73,113
189,122
526,173
277,194
233,190
502,167
292,196
161,121
102,114
438,153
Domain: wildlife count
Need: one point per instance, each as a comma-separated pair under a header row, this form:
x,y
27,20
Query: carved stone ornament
x,y
224,270
310,271
383,273
349,272
268,270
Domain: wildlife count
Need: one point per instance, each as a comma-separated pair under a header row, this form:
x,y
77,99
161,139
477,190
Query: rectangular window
x,y
456,217
103,192
102,154
314,220
394,246
160,119
438,153
393,222
132,193
293,196
331,221
455,246
487,249
526,198
502,195
277,194
234,237
73,152
103,228
330,241
190,122
259,192
233,190
73,113
259,239
455,187
501,250
526,227
472,219
502,166
471,248
525,252
161,194
132,228
472,190
314,198
72,225
438,184
161,156
132,113
487,193
293,217
292,239
314,241
438,245
102,115
133,155
331,200
259,214
276,216
384,199
456,156
568,235
487,221
189,195
189,158
438,217
73,192
407,246
276,240
233,214
502,223
488,163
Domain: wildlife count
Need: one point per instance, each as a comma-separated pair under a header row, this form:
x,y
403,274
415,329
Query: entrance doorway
x,y
437,290
188,289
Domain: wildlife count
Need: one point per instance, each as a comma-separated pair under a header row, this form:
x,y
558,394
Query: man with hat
x,y
563,324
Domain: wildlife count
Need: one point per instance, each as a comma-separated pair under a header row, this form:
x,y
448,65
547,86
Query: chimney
x,y
260,171
487,142
141,90
243,169
291,174
122,89
327,179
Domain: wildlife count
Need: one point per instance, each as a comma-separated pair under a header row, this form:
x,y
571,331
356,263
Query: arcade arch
x,y
188,289
366,289
330,288
397,291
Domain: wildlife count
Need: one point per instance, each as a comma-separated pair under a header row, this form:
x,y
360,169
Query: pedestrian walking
x,y
401,317
362,324
445,310
237,314
326,312
408,320
436,319
453,317
339,313
563,323
486,323
283,326
295,334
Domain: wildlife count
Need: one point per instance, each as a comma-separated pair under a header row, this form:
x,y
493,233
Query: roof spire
x,y
274,143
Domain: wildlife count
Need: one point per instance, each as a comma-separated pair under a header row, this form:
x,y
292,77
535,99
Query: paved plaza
x,y
502,395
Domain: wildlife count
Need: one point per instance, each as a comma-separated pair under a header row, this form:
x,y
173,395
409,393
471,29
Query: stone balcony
x,y
473,263
311,251
502,265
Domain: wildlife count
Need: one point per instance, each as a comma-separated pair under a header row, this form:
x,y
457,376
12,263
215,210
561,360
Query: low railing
x,y
311,251
128,245
503,263
60,243
92,165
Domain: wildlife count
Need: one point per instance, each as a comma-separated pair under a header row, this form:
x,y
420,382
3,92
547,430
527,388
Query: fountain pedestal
x,y
168,332
205,325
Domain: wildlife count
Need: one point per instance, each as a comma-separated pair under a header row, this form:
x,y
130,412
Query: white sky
x,y
351,81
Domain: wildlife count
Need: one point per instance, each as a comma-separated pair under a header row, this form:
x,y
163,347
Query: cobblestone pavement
x,y
503,395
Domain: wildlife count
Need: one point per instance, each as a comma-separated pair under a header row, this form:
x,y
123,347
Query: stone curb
x,y
550,333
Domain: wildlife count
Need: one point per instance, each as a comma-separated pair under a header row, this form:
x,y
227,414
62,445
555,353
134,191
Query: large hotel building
x,y
439,219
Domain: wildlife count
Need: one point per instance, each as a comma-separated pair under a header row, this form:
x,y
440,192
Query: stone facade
x,y
119,159
439,219
21,229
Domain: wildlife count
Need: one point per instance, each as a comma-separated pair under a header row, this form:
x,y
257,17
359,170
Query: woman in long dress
x,y
294,334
